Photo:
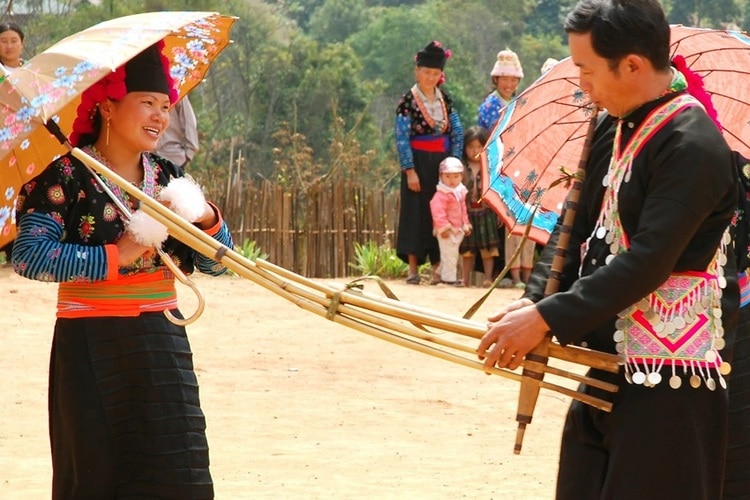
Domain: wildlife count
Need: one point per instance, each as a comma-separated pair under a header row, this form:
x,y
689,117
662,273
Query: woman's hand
x,y
129,250
412,180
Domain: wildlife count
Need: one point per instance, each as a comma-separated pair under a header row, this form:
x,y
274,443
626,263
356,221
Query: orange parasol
x,y
536,144
46,90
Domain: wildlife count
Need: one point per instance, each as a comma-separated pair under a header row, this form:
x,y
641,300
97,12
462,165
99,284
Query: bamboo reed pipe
x,y
538,357
385,305
461,326
582,356
404,329
311,306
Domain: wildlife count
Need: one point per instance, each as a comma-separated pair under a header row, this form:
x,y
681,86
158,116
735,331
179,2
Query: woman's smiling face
x,y
139,119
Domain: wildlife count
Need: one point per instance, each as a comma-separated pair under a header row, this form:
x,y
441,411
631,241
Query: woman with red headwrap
x,y
125,417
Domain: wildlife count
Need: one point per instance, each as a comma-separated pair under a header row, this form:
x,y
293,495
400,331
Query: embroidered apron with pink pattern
x,y
678,325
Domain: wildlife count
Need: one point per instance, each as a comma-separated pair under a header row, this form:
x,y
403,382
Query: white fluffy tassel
x,y
146,230
185,198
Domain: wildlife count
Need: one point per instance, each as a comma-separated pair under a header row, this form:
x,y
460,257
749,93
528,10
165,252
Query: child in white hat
x,y
450,218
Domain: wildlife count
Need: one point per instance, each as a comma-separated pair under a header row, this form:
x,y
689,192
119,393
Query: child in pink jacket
x,y
450,219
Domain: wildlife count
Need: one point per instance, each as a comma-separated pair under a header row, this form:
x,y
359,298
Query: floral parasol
x,y
47,89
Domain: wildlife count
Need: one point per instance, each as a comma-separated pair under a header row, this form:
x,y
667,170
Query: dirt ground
x,y
300,407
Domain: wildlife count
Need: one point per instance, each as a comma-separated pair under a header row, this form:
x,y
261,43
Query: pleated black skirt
x,y
415,219
125,416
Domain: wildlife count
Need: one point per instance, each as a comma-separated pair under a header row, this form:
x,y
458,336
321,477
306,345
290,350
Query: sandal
x,y
412,280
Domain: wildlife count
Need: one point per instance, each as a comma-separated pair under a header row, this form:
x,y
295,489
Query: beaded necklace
x,y
438,123
148,185
678,324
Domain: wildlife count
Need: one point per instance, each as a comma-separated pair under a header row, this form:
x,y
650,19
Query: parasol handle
x,y
54,129
537,359
186,281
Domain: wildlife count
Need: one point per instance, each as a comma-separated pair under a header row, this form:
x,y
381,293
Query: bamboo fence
x,y
310,231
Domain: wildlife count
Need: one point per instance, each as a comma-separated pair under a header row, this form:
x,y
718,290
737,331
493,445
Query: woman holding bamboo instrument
x,y
651,224
125,417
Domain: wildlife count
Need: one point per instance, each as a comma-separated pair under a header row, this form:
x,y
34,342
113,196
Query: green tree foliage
x,y
336,20
705,13
387,45
300,11
534,51
548,16
393,3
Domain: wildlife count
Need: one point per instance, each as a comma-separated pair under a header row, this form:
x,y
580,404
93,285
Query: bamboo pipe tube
x,y
538,357
311,306
344,309
571,353
587,357
422,335
423,316
384,305
470,328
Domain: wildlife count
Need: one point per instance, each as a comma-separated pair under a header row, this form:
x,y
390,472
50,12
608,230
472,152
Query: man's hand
x,y
516,304
514,331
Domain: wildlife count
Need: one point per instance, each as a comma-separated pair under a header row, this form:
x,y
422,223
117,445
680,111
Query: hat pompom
x,y
507,64
696,88
111,86
174,95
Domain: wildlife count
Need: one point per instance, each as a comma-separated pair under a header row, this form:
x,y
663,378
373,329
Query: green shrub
x,y
374,260
250,250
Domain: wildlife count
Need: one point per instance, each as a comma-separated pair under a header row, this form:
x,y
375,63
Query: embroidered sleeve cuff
x,y
113,256
214,230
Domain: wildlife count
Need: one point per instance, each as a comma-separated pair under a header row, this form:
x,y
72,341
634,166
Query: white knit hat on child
x,y
507,64
451,165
